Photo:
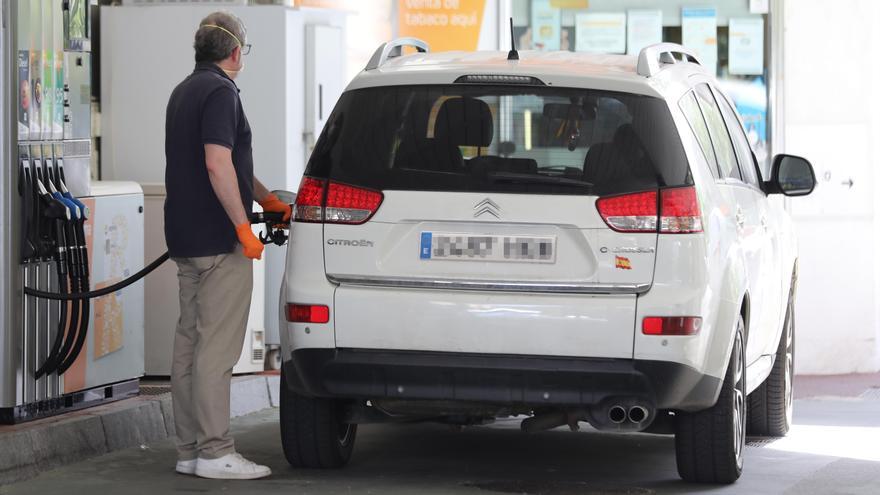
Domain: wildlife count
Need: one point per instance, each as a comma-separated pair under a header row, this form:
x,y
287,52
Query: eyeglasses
x,y
245,48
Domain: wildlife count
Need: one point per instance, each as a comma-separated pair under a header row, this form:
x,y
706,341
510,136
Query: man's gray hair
x,y
218,35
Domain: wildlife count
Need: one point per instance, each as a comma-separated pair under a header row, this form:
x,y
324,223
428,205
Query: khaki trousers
x,y
215,297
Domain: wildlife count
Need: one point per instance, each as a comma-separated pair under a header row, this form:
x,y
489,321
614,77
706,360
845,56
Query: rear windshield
x,y
470,138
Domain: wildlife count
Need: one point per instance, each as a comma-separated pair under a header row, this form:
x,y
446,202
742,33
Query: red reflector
x,y
671,325
630,212
680,211
307,313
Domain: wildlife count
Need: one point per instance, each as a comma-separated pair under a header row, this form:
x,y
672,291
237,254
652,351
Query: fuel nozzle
x,y
274,225
52,207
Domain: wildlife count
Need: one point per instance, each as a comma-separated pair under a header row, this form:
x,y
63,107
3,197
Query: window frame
x,y
738,125
711,162
723,178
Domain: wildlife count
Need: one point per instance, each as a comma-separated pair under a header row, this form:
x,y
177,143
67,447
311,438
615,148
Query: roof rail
x,y
652,58
394,49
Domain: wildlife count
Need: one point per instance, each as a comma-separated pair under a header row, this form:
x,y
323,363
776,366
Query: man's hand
x,y
270,202
252,246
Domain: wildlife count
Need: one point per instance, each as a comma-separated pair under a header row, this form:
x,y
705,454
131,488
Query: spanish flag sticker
x,y
622,263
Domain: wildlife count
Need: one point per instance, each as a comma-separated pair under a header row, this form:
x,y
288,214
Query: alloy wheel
x,y
739,402
789,368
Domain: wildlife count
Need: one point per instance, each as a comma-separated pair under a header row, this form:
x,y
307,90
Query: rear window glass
x,y
500,139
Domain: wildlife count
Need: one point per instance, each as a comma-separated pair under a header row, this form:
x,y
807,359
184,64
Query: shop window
x,y
553,25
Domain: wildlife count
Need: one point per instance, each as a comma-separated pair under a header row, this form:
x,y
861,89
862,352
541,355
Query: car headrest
x,y
625,135
464,122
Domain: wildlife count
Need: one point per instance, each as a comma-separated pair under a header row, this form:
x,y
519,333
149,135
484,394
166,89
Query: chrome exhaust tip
x,y
617,414
637,414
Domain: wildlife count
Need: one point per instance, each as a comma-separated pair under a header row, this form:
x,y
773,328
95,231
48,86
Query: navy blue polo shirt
x,y
203,109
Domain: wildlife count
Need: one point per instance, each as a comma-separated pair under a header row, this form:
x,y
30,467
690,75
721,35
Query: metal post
x,y
10,274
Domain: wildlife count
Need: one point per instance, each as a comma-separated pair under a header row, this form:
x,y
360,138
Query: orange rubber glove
x,y
252,246
272,203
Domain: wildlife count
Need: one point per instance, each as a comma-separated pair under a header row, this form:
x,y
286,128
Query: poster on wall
x,y
745,48
35,67
546,25
600,33
24,95
24,78
445,26
699,32
643,28
48,71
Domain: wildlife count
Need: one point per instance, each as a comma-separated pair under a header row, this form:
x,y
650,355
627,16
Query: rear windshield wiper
x,y
520,178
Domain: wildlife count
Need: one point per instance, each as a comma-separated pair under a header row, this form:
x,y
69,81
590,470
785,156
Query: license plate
x,y
475,247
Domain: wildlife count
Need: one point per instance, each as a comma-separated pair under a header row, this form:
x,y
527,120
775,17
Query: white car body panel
x,y
484,322
709,274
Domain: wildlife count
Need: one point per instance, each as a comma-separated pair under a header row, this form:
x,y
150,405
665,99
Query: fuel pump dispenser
x,y
74,337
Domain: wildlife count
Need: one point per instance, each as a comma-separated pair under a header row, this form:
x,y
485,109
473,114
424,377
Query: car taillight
x,y
671,325
676,211
309,205
348,204
307,313
630,212
680,211
331,202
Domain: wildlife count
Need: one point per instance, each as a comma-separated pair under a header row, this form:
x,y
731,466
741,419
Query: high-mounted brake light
x,y
671,325
307,313
331,202
669,211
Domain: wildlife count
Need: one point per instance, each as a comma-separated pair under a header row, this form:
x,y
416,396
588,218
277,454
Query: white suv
x,y
565,237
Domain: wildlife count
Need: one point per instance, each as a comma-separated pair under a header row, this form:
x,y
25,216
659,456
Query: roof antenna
x,y
512,54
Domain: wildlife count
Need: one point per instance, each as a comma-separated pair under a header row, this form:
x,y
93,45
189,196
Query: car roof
x,y
555,69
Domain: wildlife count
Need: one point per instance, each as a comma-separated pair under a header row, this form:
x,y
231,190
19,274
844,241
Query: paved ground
x,y
833,448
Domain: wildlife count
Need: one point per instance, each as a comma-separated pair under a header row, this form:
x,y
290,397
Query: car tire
x,y
313,434
771,404
709,444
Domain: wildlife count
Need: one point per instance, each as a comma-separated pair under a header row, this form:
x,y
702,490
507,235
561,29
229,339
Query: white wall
x,y
832,117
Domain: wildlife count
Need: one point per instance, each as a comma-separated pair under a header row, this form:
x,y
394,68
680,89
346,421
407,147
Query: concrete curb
x,y
31,448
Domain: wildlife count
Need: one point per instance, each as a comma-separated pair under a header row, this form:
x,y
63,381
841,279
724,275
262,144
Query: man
x,y
210,190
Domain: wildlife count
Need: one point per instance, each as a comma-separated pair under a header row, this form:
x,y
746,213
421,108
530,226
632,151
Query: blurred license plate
x,y
472,247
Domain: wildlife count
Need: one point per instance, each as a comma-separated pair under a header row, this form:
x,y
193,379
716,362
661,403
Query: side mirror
x,y
285,196
792,176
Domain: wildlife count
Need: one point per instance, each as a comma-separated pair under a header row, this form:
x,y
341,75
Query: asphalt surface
x,y
834,447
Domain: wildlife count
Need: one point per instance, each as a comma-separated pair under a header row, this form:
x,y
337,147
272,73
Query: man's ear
x,y
236,54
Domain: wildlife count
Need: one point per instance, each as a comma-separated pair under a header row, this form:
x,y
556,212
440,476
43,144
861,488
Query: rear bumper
x,y
499,379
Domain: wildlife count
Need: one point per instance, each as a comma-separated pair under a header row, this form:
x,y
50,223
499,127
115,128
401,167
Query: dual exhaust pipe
x,y
618,414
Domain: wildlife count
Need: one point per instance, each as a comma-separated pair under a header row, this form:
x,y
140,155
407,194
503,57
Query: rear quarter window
x,y
694,116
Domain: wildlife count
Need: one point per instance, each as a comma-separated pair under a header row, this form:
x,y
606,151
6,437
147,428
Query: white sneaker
x,y
231,467
186,467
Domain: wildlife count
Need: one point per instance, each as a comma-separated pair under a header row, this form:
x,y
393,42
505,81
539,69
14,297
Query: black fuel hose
x,y
61,266
103,291
83,327
269,218
74,269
